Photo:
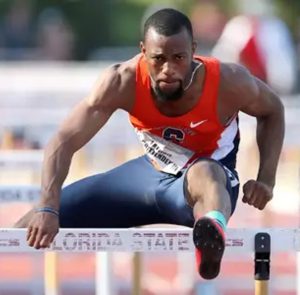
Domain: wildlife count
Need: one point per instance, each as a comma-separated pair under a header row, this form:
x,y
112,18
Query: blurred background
x,y
52,52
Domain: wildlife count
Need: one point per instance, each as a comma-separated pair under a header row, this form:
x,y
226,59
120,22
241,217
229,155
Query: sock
x,y
219,218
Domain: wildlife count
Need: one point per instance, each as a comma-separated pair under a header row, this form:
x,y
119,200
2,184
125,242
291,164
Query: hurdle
x,y
261,242
171,239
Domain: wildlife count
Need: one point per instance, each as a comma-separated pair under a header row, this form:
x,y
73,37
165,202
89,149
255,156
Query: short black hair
x,y
168,22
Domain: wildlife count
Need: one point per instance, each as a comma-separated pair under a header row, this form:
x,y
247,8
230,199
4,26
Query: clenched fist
x,y
257,194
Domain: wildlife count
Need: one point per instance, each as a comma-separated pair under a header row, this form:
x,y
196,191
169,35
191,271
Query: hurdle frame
x,y
262,252
171,239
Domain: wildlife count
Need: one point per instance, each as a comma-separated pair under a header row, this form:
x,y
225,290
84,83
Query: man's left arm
x,y
269,134
258,100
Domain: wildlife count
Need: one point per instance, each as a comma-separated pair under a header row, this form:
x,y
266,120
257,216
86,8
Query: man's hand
x,y
257,194
42,229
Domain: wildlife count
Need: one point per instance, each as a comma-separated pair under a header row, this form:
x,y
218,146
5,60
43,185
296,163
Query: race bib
x,y
167,156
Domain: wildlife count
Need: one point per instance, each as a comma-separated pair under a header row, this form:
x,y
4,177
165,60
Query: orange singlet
x,y
174,142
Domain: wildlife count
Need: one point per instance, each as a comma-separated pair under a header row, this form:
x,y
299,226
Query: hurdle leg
x,y
103,274
261,287
262,263
50,272
137,271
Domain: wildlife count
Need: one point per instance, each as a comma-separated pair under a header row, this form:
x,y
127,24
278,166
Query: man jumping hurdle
x,y
184,109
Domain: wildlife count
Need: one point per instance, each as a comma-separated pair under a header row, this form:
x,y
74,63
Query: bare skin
x,y
170,63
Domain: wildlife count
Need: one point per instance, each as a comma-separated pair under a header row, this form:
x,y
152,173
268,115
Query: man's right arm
x,y
114,90
78,128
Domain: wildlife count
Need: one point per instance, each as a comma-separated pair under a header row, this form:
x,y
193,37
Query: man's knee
x,y
204,176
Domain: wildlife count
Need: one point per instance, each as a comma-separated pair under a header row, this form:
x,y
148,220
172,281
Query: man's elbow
x,y
275,108
279,108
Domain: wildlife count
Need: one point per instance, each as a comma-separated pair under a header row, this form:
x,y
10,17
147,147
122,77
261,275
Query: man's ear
x,y
194,46
142,47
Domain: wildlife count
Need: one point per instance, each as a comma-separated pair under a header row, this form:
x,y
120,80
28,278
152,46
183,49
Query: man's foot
x,y
209,241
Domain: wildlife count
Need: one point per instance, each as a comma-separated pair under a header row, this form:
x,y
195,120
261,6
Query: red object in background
x,y
251,55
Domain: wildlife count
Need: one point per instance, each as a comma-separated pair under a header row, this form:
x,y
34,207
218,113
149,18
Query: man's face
x,y
169,61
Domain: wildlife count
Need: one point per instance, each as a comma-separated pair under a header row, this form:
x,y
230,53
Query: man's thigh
x,y
171,200
121,197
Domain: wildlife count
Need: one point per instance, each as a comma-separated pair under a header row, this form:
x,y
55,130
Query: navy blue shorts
x,y
132,194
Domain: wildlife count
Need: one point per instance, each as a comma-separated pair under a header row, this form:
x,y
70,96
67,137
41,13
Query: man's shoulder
x,y
116,85
229,71
127,69
234,77
121,76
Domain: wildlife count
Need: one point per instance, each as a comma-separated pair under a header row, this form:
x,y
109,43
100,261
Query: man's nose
x,y
168,69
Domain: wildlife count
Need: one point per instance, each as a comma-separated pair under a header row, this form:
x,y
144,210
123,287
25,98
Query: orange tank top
x,y
174,142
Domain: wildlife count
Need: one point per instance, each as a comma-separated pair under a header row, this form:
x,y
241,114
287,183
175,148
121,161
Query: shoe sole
x,y
208,239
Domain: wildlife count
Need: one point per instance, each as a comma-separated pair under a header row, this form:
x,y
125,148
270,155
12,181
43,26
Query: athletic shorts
x,y
130,195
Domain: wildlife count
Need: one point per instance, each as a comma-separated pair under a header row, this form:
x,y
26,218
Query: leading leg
x,y
209,190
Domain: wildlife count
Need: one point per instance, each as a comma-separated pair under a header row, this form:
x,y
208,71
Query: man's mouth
x,y
168,84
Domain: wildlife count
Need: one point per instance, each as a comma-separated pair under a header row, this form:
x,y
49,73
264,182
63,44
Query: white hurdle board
x,y
173,239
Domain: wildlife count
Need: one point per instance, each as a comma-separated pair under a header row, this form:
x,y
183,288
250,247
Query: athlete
x,y
184,109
